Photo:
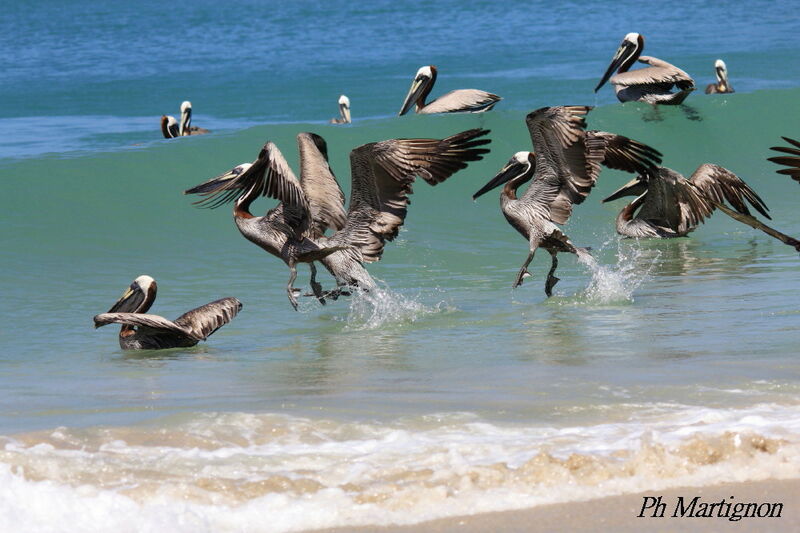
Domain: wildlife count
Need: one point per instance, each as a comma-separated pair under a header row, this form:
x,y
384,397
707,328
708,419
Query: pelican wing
x,y
270,175
660,73
143,320
567,160
719,184
792,161
693,207
325,197
206,319
382,178
462,101
622,153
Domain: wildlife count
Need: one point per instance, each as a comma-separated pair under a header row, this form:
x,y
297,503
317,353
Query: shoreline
x,y
619,513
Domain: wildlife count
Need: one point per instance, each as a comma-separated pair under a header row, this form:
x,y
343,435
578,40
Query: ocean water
x,y
443,393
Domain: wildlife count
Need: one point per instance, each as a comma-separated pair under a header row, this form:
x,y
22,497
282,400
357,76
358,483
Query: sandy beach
x,y
619,513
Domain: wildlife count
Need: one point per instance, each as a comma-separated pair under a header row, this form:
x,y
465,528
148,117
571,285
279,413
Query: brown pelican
x,y
185,127
652,84
169,126
669,205
722,85
459,101
142,331
382,176
564,169
792,162
344,111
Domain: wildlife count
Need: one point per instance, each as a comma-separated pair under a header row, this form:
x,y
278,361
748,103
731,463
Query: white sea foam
x,y
267,472
616,283
381,306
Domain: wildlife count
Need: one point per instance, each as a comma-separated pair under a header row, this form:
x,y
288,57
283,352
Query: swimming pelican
x,y
792,162
185,127
169,126
141,331
669,205
652,84
459,101
722,85
382,176
564,169
344,111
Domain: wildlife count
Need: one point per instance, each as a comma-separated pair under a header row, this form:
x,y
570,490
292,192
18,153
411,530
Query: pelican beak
x,y
131,299
635,187
417,86
507,173
186,121
344,110
619,58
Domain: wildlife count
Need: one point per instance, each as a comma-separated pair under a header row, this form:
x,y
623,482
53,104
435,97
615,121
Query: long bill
x,y
635,187
344,111
186,122
130,300
507,173
619,58
414,93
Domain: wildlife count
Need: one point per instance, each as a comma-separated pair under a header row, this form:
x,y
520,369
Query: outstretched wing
x,y
269,175
719,184
462,101
382,178
567,160
153,322
622,153
792,162
325,197
206,319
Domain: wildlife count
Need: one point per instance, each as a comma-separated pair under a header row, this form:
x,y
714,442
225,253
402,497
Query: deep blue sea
x,y
443,393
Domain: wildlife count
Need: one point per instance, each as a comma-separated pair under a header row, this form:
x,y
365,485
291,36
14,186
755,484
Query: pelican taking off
x,y
344,111
564,169
652,84
459,101
382,176
722,85
669,205
141,331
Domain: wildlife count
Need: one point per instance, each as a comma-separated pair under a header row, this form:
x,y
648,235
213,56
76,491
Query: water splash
x,y
616,283
381,306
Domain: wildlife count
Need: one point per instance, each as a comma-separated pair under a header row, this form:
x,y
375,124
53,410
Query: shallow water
x,y
444,391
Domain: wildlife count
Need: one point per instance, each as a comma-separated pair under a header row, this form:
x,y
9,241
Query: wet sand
x,y
619,513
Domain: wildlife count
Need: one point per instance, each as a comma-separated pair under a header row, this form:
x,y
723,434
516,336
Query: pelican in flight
x,y
563,171
382,177
459,101
652,84
344,111
141,331
171,128
668,205
722,85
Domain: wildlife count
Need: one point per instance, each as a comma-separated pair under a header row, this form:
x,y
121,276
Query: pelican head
x,y
420,87
344,108
521,165
169,126
635,187
722,70
186,118
629,50
138,297
225,181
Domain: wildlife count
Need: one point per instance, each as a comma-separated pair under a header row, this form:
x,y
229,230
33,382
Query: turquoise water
x,y
443,393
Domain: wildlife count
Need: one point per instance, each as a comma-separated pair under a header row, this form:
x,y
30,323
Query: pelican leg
x,y
551,279
523,272
315,285
290,290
